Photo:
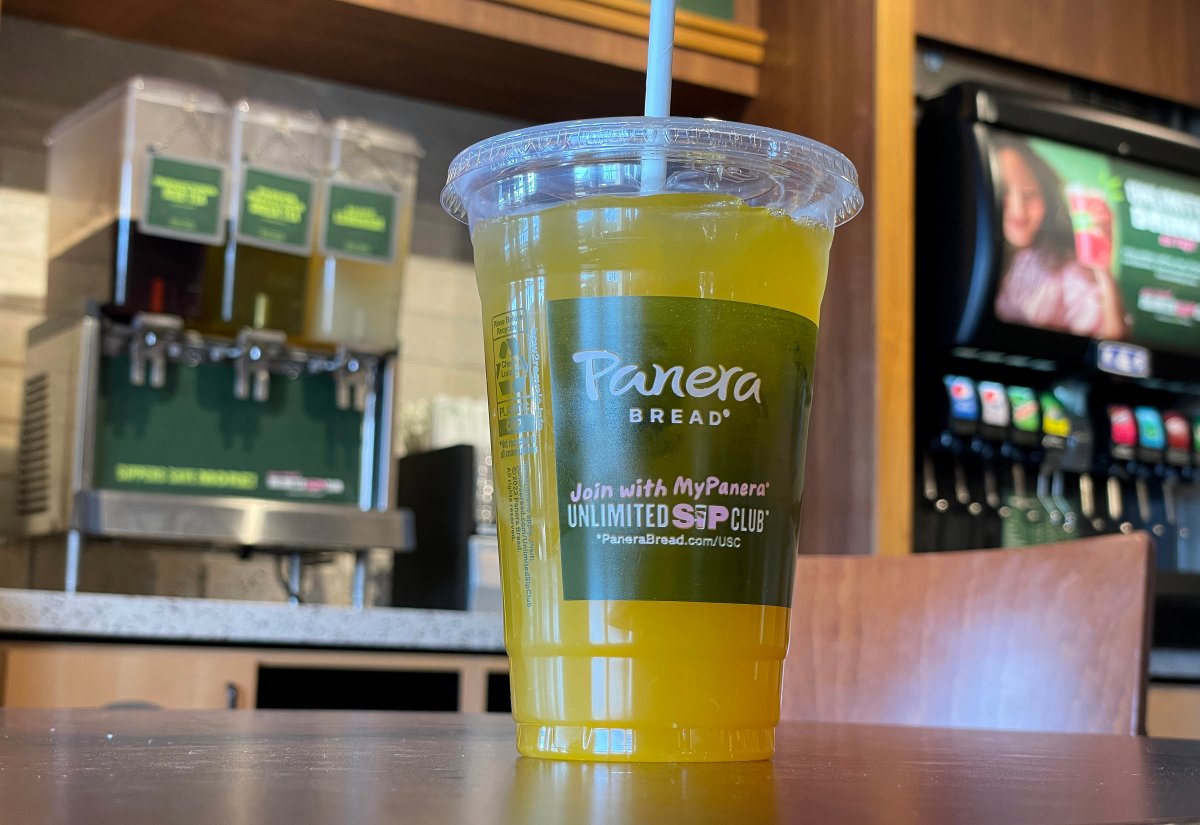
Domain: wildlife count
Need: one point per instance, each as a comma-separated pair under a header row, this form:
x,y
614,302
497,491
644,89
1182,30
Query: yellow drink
x,y
353,302
651,290
357,302
267,290
631,679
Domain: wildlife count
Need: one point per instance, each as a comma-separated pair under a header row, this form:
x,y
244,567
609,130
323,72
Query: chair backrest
x,y
1051,638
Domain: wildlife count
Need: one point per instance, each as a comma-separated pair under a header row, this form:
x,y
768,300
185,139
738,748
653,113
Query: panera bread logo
x,y
608,370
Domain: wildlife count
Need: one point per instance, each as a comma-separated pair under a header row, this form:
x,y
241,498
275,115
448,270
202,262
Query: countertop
x,y
45,613
53,614
296,768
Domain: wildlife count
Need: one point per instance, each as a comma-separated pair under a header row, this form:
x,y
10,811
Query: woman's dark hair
x,y
1055,237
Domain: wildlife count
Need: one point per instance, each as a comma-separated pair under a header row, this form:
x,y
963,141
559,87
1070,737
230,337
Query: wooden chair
x,y
1051,638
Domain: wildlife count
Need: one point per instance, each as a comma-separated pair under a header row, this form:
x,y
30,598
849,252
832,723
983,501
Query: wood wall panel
x,y
894,228
818,80
841,73
746,12
1149,46
474,53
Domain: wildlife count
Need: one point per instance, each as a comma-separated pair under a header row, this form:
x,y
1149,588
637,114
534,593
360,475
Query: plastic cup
x,y
1091,220
650,361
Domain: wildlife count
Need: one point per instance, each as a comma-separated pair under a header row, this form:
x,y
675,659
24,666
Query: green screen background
x,y
1141,260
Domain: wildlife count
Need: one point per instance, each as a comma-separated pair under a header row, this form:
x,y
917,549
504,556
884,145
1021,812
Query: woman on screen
x,y
1044,285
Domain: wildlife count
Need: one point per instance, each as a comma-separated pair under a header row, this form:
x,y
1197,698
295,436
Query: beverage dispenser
x,y
174,396
1058,347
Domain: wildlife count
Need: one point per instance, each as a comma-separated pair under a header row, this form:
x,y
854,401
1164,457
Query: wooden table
x,y
296,768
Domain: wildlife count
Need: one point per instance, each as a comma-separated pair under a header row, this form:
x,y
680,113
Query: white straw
x,y
658,58
658,84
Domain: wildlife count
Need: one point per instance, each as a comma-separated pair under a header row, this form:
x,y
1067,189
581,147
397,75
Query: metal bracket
x,y
153,336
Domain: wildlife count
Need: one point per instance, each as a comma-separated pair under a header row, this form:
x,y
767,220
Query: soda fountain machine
x,y
1058,310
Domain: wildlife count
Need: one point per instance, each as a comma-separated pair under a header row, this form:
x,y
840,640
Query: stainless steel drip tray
x,y
239,522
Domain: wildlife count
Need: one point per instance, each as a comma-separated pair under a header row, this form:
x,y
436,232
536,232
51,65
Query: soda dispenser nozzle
x,y
991,483
1087,502
1058,494
1123,439
929,485
958,445
1179,458
1045,497
1023,450
1066,445
1020,487
1154,479
150,345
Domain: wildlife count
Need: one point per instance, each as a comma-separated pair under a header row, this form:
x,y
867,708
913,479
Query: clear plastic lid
x,y
145,89
532,169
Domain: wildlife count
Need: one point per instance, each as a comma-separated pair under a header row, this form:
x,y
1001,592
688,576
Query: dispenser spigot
x,y
150,344
354,378
252,368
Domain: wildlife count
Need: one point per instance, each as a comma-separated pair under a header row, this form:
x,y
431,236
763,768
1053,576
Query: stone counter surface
x,y
50,614
43,613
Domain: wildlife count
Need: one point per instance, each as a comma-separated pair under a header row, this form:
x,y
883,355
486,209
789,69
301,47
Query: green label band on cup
x,y
679,430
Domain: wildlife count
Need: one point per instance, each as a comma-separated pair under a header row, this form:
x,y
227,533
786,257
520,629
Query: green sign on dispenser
x,y
360,223
276,211
183,199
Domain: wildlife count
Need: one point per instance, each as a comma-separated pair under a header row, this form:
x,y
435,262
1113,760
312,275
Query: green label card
x,y
679,433
360,223
1026,415
184,200
276,211
1055,421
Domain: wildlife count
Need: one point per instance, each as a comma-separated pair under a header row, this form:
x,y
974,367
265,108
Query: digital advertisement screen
x,y
1097,246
